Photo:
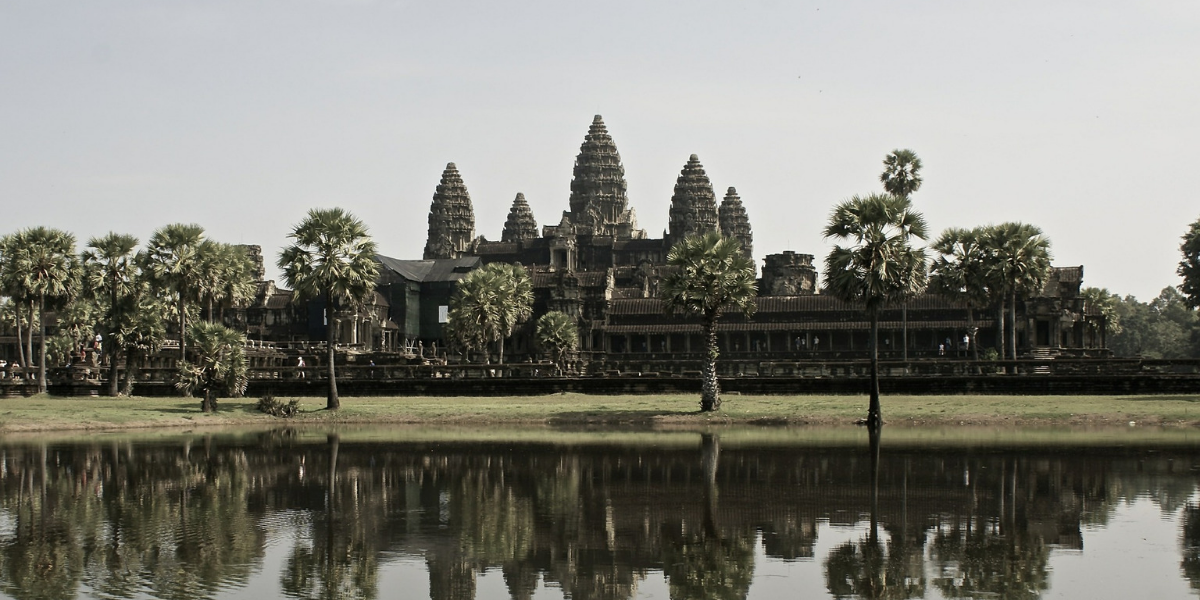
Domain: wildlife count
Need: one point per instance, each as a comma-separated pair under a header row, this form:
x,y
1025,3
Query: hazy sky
x,y
1080,117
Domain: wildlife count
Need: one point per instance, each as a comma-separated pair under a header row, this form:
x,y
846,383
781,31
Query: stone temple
x,y
596,265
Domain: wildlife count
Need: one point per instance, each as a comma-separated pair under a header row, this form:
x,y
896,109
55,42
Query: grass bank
x,y
45,413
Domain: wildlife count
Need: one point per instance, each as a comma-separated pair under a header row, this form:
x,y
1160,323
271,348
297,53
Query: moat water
x,y
612,513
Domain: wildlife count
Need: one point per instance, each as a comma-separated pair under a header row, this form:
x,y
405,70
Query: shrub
x,y
269,405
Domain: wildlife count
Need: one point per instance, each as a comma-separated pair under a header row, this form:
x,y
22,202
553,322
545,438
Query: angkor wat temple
x,y
598,266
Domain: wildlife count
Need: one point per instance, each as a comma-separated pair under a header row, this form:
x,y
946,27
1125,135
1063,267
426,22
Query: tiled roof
x,y
279,300
438,269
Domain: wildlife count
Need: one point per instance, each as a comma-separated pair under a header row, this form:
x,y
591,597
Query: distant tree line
x,y
131,297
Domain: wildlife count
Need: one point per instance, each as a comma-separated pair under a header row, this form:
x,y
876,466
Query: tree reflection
x,y
709,561
339,558
864,569
187,518
105,524
1191,545
993,555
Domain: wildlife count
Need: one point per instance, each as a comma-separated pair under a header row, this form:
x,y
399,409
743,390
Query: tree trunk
x,y
972,332
874,414
29,339
710,447
208,404
1000,329
113,354
210,310
1012,332
500,349
42,387
331,402
20,336
182,328
131,358
904,337
875,435
111,348
710,388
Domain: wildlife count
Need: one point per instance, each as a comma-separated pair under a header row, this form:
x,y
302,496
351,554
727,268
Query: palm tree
x,y
473,316
901,173
142,328
558,334
880,267
516,299
333,258
48,269
901,176
12,285
1106,303
110,271
711,275
488,304
225,278
15,285
1018,262
172,264
959,273
220,367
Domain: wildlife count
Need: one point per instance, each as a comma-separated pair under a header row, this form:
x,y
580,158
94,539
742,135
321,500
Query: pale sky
x,y
1080,117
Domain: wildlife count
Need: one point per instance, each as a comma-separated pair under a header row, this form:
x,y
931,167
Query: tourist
x,y
300,367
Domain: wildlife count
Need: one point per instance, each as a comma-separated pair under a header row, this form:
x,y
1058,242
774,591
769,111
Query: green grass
x,y
44,413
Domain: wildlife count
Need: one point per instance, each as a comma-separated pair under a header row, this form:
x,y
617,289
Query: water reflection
x,y
195,517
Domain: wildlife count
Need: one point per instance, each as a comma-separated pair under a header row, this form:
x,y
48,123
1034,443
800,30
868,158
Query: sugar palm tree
x,y
711,275
1106,303
141,329
901,176
48,268
110,271
219,366
879,267
1018,262
901,173
959,273
473,316
225,278
333,258
516,295
171,263
488,304
558,334
12,285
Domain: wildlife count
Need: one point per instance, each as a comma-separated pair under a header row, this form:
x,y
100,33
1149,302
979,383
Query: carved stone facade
x,y
599,205
694,205
451,218
520,224
734,222
596,266
788,274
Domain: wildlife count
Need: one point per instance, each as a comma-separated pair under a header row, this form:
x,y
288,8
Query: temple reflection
x,y
192,517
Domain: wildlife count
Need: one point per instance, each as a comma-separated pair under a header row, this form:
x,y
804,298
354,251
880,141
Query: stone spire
x,y
520,224
734,222
451,218
598,199
694,205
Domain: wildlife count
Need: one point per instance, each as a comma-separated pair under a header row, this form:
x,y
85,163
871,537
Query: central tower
x,y
599,205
